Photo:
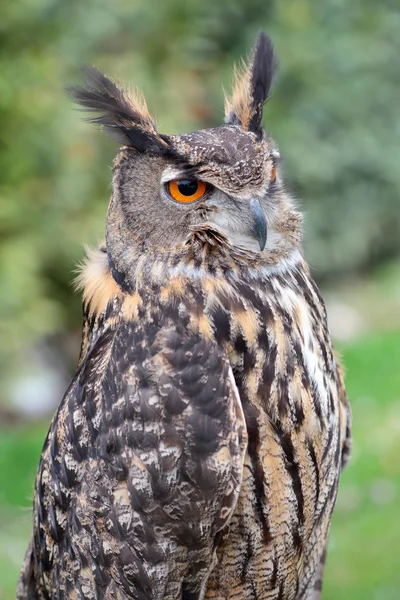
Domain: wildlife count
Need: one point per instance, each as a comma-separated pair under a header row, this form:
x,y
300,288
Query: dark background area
x,y
335,116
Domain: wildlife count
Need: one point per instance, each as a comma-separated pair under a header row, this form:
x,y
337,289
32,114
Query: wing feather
x,y
141,469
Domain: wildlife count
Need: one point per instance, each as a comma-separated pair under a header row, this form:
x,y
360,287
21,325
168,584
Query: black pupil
x,y
187,187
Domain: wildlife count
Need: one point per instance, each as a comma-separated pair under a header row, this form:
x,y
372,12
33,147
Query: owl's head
x,y
204,198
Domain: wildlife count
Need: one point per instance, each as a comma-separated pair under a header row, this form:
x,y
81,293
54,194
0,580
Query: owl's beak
x,y
259,229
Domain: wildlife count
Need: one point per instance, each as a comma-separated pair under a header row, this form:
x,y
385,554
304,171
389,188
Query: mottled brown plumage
x,y
198,449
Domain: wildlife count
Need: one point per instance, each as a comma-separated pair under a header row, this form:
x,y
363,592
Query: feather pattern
x,y
136,453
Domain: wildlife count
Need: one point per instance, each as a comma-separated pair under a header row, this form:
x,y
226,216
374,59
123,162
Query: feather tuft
x,y
95,281
124,116
252,84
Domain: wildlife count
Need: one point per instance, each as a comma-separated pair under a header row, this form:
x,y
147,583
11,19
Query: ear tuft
x,y
251,86
123,116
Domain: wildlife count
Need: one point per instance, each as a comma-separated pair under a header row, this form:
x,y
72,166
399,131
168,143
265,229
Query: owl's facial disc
x,y
242,222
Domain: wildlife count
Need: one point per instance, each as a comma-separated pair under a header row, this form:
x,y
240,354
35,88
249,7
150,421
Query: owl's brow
x,y
181,160
180,171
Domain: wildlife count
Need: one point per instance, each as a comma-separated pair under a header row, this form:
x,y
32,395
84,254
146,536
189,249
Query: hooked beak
x,y
259,229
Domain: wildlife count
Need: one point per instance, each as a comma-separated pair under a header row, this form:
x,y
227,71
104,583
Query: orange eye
x,y
186,190
273,174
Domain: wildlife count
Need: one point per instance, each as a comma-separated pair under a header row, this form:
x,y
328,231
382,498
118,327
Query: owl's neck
x,y
101,285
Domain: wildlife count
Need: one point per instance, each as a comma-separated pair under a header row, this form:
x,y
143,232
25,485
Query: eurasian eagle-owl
x,y
197,452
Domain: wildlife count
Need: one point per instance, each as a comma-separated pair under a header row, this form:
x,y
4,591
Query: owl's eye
x,y
186,190
273,174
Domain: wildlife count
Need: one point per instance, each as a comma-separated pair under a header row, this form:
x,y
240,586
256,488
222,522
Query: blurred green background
x,y
335,116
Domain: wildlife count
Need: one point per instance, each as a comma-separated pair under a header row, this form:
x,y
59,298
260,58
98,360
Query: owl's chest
x,y
279,348
282,361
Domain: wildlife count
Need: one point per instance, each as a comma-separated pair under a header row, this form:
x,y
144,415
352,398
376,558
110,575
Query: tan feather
x,y
96,281
239,102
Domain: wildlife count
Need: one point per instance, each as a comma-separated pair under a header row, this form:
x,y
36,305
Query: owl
x,y
197,451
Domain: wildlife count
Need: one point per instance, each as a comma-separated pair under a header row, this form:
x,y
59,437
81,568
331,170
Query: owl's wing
x,y
141,469
345,413
26,588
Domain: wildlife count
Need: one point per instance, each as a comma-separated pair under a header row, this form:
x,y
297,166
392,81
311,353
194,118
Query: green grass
x,y
20,449
363,559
